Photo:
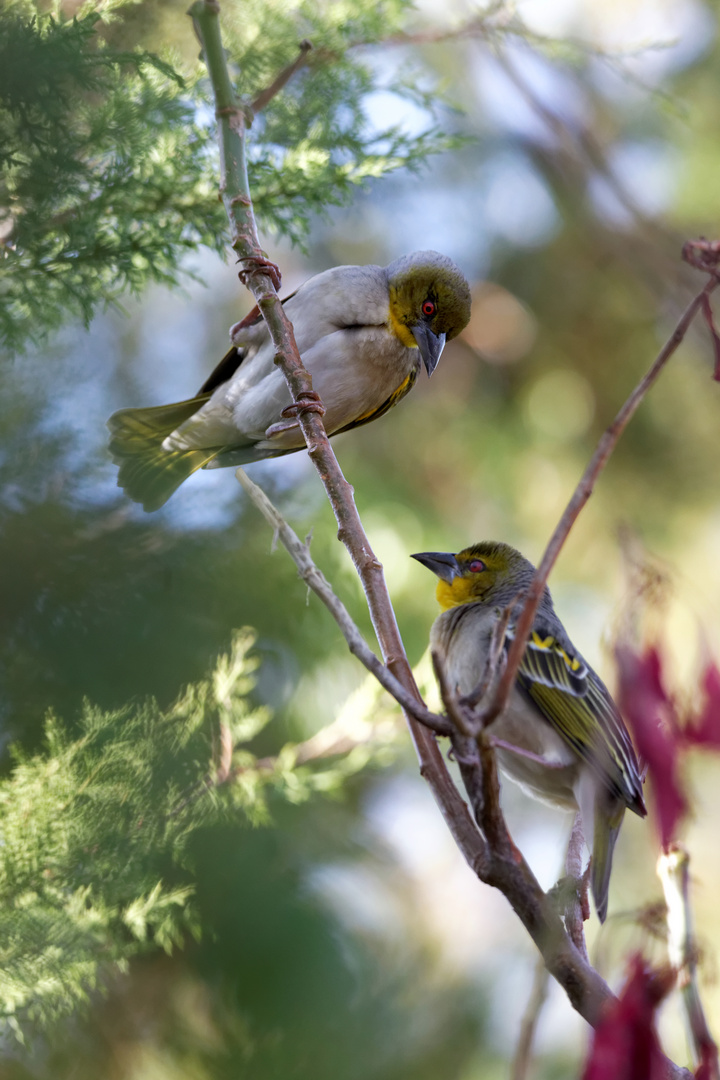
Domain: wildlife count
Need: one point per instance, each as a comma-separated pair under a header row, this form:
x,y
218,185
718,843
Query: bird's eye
x,y
429,308
476,566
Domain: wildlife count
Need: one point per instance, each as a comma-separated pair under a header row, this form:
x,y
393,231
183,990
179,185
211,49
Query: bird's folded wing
x,y
574,701
546,661
247,336
225,370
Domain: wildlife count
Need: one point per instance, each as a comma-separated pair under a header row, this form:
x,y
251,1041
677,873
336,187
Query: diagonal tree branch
x,y
579,498
316,580
266,96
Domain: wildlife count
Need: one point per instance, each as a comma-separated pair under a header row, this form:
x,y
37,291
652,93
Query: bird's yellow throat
x,y
458,591
398,327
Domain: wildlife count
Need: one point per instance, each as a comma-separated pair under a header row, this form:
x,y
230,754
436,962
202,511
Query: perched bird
x,y
577,751
361,332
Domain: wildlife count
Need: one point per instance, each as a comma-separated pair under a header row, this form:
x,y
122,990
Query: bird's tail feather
x,y
148,473
609,812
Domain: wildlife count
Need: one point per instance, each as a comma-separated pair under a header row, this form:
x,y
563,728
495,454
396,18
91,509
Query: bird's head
x,y
484,573
429,303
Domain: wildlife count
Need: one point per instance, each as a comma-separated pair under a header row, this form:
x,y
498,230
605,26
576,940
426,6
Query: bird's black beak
x,y
430,345
441,563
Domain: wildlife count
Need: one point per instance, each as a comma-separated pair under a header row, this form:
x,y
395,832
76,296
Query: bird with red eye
x,y
560,735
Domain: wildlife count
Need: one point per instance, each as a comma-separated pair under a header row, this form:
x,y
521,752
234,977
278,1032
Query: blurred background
x,y
348,939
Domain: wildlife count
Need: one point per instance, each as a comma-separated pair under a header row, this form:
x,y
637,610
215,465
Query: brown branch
x,y
493,820
265,96
337,738
500,863
580,496
316,580
703,255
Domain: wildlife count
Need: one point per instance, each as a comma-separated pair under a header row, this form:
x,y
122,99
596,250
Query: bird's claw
x,y
280,428
307,401
253,264
452,755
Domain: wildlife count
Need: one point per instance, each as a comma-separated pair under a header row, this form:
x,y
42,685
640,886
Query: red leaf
x,y
708,1067
706,730
651,715
625,1044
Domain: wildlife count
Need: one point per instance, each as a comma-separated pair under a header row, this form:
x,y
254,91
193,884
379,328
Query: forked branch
x,y
490,852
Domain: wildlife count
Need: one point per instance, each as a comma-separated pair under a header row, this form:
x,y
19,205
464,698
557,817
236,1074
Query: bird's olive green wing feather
x,y
397,395
548,663
148,473
573,699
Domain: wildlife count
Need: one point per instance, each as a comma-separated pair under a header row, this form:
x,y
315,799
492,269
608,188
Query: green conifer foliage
x,y
94,829
108,160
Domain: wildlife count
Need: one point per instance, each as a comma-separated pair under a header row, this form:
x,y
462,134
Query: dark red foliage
x,y
651,716
708,1067
705,731
625,1046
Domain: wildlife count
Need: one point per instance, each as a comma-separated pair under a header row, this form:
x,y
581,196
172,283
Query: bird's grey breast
x,y
461,636
461,639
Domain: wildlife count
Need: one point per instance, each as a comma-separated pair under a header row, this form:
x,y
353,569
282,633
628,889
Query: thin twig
x,y
673,870
461,717
580,138
498,21
493,820
316,580
465,751
580,496
337,738
528,1025
474,750
265,96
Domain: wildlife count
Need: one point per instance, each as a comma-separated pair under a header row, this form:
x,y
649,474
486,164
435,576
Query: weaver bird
x,y
573,749
361,332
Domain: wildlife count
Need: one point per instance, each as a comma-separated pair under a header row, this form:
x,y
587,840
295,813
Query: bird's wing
x,y
575,702
225,370
247,336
